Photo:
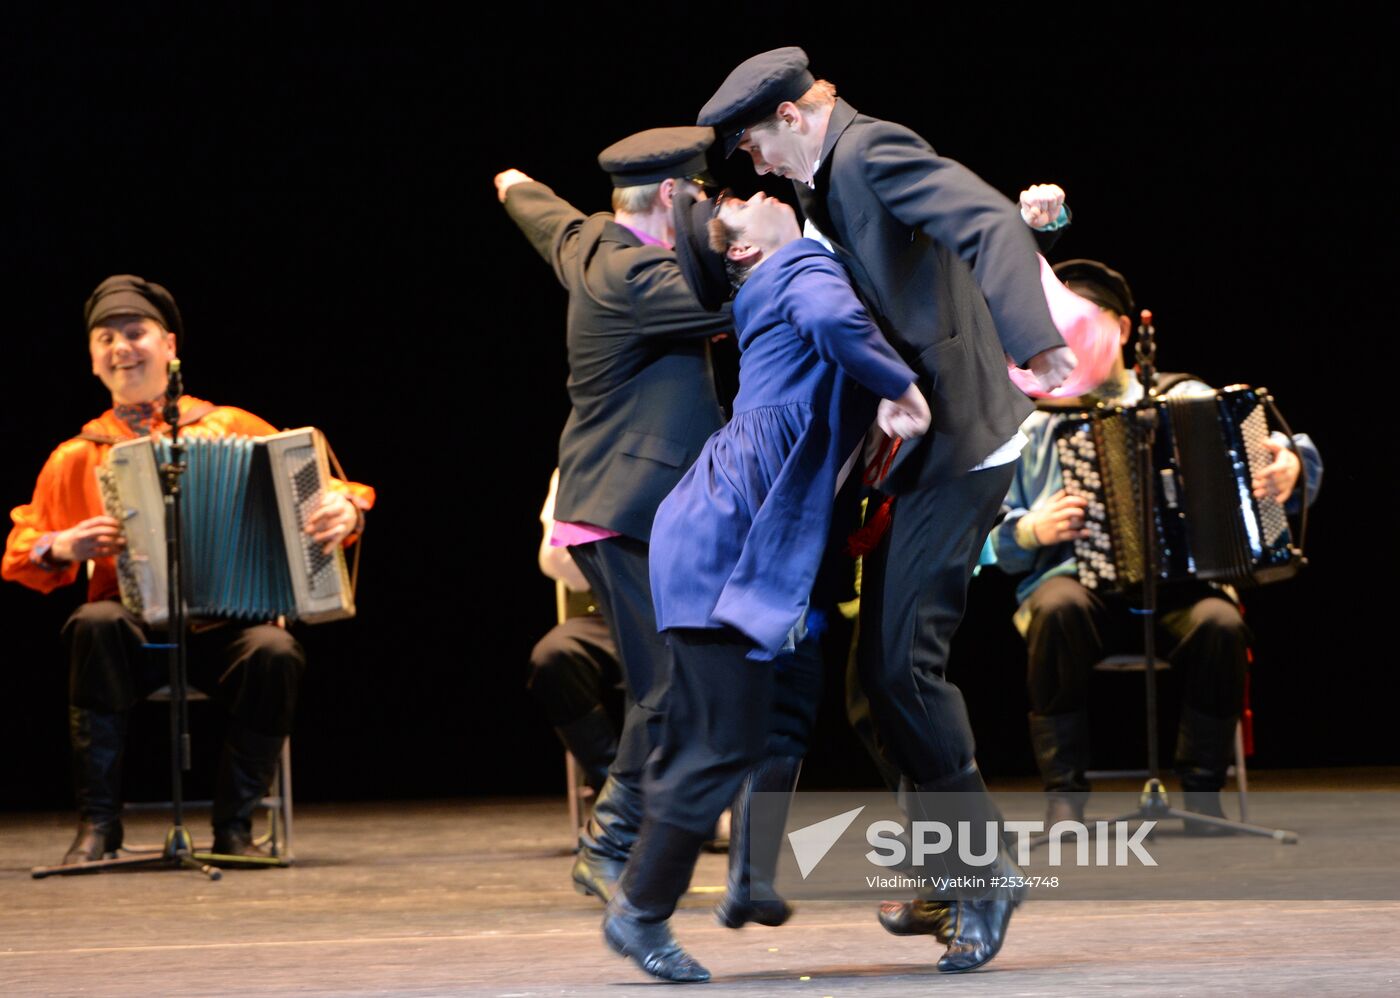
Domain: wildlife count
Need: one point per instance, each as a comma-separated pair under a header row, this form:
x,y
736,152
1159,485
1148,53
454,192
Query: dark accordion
x,y
1206,522
244,507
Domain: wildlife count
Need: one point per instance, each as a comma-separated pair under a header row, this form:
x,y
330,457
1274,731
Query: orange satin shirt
x,y
66,494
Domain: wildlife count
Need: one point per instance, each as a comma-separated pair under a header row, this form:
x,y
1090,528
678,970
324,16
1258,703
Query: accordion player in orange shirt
x,y
134,328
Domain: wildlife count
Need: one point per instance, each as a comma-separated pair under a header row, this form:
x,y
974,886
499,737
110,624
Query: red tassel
x,y
879,467
865,540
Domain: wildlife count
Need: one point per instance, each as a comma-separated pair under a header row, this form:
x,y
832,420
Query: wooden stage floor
x,y
473,898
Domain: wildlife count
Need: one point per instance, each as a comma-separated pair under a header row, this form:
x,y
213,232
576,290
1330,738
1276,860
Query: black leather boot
x,y
607,841
982,922
246,769
1061,745
1204,747
637,924
923,916
98,740
592,740
753,860
983,914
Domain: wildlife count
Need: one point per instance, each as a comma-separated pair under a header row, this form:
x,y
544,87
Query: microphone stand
x,y
178,851
1153,803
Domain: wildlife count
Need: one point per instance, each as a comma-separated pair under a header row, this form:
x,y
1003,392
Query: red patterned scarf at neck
x,y
141,418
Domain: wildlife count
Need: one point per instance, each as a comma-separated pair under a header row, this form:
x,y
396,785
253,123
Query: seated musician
x,y
133,329
1069,628
574,672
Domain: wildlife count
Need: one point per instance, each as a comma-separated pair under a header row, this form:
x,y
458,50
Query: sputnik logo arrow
x,y
812,843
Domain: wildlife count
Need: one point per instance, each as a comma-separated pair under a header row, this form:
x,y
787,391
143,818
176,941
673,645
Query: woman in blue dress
x,y
737,543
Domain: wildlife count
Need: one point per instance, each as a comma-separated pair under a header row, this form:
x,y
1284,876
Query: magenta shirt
x,y
645,237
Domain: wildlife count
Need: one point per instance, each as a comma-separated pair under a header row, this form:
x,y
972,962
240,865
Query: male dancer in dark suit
x,y
643,402
948,270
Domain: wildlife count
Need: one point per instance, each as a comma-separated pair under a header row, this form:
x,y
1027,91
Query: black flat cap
x,y
1098,282
127,294
650,157
701,266
754,90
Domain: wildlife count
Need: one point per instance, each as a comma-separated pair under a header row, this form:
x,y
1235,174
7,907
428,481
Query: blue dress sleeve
x,y
821,305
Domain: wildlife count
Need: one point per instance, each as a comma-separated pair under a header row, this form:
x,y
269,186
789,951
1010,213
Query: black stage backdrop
x,y
315,188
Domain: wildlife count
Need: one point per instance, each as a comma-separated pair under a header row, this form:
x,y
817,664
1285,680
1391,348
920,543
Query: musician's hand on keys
x,y
333,521
95,537
1276,479
905,417
507,179
1051,367
1059,520
1041,204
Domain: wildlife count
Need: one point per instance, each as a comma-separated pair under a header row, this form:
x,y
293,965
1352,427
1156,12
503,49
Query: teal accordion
x,y
245,502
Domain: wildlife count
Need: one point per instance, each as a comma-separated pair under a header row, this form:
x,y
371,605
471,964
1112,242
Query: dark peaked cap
x,y
754,90
1098,282
658,153
702,268
127,294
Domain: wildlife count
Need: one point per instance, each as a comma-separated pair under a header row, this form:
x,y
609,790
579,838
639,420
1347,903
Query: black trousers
x,y
573,668
1071,628
254,671
720,714
619,574
913,594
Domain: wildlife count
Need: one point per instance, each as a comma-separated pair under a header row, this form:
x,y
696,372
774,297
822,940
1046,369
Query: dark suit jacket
x,y
948,269
639,366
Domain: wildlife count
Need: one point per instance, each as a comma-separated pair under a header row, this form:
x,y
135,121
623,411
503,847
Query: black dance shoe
x,y
980,934
95,840
649,945
920,918
235,838
982,923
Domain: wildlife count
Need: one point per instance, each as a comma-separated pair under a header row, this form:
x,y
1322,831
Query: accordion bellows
x,y
1208,524
245,504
